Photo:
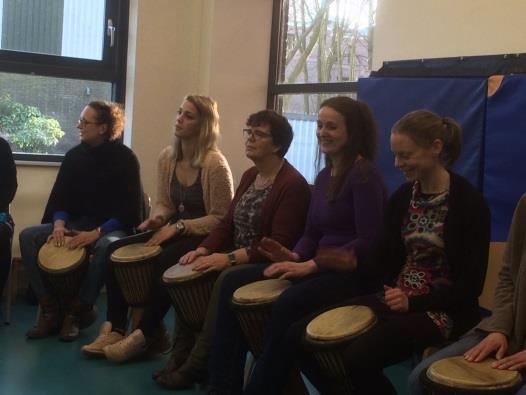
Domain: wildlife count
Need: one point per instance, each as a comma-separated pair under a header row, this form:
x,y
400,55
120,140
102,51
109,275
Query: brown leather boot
x,y
70,329
184,341
48,321
160,342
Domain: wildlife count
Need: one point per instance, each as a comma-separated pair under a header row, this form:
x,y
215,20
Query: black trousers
x,y
394,338
6,235
281,348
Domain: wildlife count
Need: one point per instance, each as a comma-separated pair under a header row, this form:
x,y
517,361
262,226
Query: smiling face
x,y
187,121
414,161
331,132
91,131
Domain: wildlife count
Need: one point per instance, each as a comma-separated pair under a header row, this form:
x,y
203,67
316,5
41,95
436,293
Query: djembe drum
x,y
190,292
455,375
253,304
133,265
63,268
327,336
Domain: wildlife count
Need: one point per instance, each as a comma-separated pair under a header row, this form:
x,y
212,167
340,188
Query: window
x,y
319,48
55,57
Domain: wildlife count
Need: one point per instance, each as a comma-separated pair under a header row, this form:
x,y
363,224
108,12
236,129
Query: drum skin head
x,y
456,372
180,273
260,291
55,259
135,252
341,323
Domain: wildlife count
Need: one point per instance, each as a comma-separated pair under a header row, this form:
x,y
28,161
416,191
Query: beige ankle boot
x,y
106,337
128,348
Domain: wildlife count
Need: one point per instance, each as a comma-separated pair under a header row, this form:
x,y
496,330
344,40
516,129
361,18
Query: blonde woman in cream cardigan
x,y
195,189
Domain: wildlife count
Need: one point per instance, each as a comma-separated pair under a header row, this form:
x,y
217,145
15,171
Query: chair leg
x,y
8,300
39,312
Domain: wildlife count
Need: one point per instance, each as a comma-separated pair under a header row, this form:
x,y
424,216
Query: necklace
x,y
264,182
182,196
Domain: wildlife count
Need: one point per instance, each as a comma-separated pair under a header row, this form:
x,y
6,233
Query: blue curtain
x,y
505,153
463,99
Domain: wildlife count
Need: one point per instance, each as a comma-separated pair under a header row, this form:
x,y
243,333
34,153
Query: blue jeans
x,y
456,349
32,238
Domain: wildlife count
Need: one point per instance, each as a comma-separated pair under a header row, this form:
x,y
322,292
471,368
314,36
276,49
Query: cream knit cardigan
x,y
218,190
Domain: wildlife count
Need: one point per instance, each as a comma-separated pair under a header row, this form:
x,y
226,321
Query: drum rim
x,y
154,253
194,275
332,338
442,380
65,269
334,341
244,302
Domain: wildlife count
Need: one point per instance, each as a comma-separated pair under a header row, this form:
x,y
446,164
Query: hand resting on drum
x,y
191,256
163,234
59,233
290,270
276,252
396,300
515,361
495,342
213,262
151,224
82,238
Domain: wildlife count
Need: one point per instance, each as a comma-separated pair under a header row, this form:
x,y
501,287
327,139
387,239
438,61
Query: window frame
x,y
112,67
275,88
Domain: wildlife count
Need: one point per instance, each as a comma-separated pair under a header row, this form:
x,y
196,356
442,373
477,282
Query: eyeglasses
x,y
255,134
83,122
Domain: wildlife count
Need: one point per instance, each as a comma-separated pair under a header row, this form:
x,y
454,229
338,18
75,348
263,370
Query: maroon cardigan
x,y
283,213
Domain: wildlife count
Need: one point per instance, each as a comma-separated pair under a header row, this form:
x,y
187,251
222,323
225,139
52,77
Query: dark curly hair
x,y
280,128
110,114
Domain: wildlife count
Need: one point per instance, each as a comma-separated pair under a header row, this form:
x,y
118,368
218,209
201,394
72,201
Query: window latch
x,y
110,32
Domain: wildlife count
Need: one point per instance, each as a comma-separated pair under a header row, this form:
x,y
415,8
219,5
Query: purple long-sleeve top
x,y
353,220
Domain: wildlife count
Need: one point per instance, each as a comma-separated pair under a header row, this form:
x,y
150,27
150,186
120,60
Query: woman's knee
x,y
34,235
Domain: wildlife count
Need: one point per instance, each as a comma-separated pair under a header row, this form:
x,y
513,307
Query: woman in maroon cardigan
x,y
271,201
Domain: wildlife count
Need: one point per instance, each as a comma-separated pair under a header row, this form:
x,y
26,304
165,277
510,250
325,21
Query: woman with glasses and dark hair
x,y
96,199
271,201
8,187
344,219
194,191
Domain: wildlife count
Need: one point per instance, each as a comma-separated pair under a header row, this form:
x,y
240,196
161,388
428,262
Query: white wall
x,y
414,29
189,46
239,65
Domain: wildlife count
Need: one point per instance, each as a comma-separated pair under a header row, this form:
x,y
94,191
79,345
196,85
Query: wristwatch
x,y
232,258
179,225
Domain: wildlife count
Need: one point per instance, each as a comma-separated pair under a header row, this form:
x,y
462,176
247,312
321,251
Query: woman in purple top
x,y
433,253
344,219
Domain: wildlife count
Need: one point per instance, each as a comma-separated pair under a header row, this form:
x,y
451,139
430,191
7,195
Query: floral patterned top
x,y
426,263
247,216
